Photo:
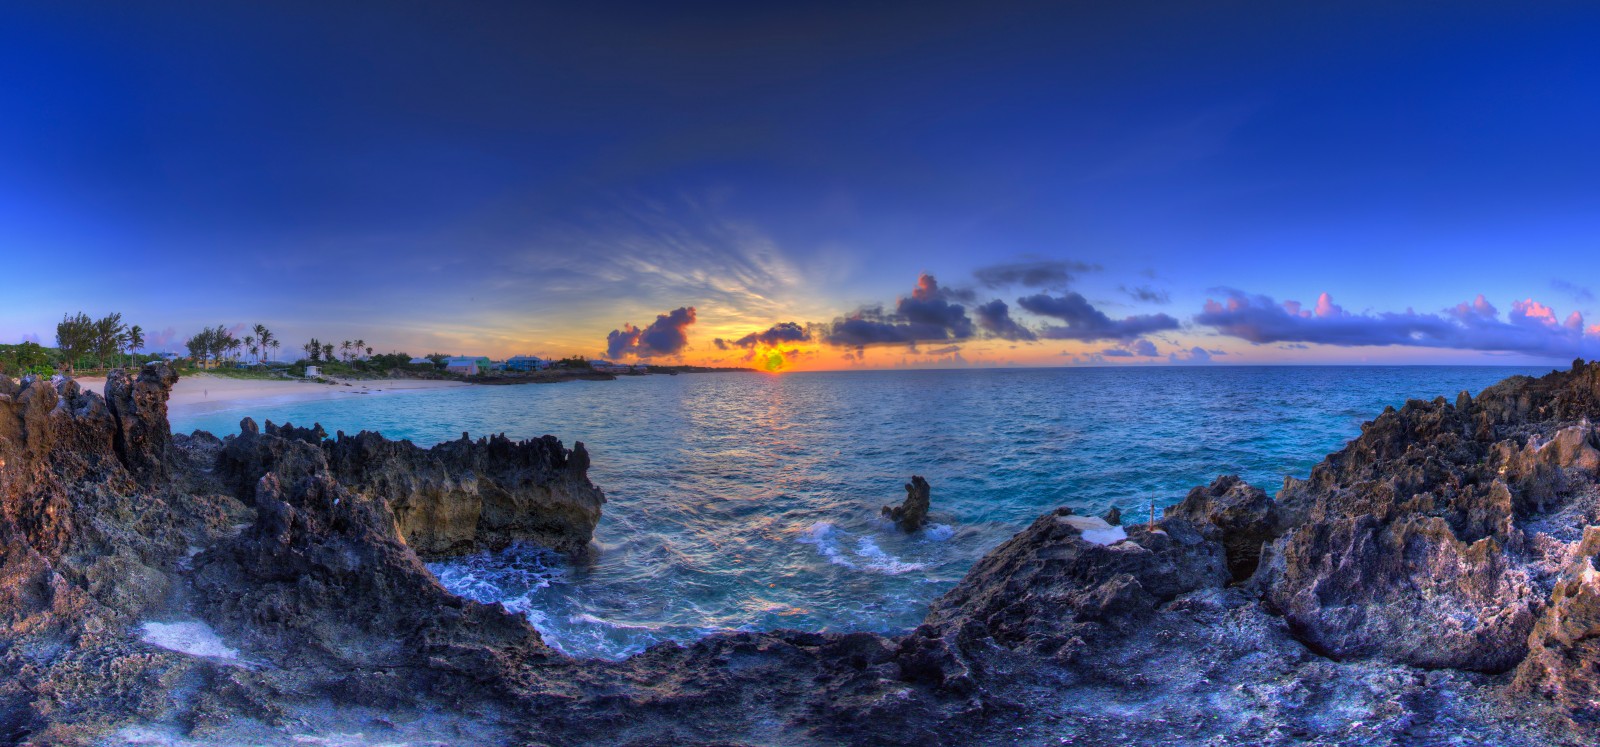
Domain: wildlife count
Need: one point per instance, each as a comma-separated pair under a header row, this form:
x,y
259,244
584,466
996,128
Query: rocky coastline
x,y
1433,582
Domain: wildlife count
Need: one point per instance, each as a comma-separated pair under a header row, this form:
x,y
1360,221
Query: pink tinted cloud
x,y
1531,327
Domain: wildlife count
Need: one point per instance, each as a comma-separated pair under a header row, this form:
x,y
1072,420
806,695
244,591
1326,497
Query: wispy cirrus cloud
x,y
1530,327
1578,293
1044,273
1147,294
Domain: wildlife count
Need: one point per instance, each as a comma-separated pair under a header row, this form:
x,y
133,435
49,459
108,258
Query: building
x,y
526,363
421,361
610,367
468,365
313,372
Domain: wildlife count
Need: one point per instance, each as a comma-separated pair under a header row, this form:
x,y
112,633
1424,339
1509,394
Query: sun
x,y
773,361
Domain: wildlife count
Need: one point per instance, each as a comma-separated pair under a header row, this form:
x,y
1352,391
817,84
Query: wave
x,y
867,555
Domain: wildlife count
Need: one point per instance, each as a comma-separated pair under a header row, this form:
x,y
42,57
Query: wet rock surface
x,y
912,513
1436,581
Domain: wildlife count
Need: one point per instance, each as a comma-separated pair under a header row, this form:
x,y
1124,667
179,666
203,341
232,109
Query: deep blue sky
x,y
510,178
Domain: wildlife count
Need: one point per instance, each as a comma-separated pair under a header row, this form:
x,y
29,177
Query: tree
x,y
327,351
276,345
201,345
24,359
359,345
344,347
264,337
313,350
74,337
110,335
250,342
369,352
135,340
229,344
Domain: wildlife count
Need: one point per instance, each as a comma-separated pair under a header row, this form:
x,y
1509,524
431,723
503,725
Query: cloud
x,y
1531,327
1086,323
1147,294
667,335
1193,355
160,341
1577,292
1135,349
994,317
925,316
777,334
1034,274
946,350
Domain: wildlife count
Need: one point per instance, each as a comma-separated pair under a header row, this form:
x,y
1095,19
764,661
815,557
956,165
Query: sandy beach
x,y
200,393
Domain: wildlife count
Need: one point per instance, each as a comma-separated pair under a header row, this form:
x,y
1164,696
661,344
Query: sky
x,y
844,185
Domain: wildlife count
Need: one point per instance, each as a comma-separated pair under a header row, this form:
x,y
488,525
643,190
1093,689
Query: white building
x,y
463,366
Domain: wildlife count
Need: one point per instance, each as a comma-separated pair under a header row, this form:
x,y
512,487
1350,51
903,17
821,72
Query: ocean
x,y
751,501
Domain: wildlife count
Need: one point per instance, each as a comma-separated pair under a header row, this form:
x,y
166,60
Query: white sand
x,y
192,638
201,393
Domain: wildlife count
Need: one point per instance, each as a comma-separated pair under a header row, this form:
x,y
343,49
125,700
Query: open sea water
x,y
751,501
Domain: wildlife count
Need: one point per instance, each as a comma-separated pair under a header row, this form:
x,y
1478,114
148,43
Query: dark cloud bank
x,y
667,335
927,315
1086,323
778,334
1530,327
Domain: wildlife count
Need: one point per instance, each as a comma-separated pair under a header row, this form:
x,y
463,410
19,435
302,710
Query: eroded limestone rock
x,y
912,513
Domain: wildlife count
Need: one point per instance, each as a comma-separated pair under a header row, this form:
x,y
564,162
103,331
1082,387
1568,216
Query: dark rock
x,y
1114,516
139,405
1047,584
913,512
1563,662
467,495
1239,515
460,496
1433,581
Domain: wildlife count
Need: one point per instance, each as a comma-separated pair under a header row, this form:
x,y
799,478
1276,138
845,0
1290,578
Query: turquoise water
x,y
746,501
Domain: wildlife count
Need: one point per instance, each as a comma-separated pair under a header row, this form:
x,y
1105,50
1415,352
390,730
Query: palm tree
x,y
327,351
264,336
135,341
275,346
250,342
344,349
359,345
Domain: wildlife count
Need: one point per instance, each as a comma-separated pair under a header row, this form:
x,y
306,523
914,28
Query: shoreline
x,y
203,393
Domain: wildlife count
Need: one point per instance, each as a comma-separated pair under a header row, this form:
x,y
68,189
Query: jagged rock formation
x,y
459,496
1434,581
912,513
468,495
